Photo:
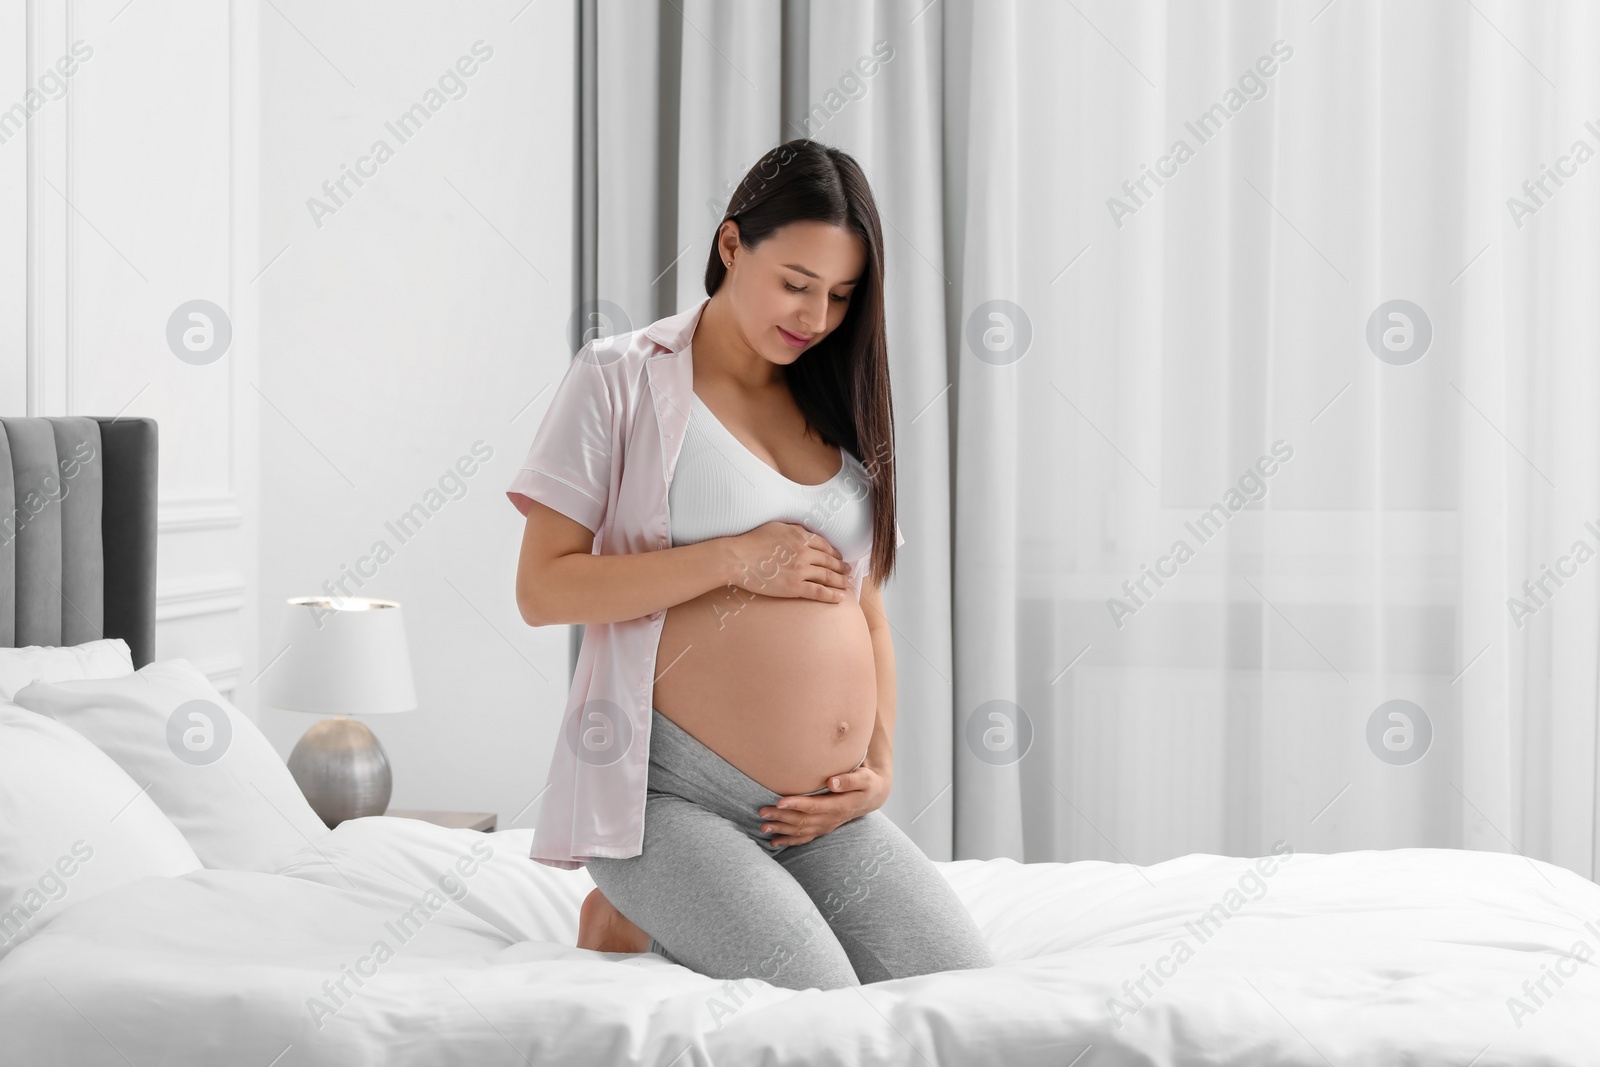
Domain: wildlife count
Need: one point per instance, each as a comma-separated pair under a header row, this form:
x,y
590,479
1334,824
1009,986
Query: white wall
x,y
127,181
13,212
423,314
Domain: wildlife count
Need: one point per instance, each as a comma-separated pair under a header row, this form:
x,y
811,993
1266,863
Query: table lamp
x,y
345,656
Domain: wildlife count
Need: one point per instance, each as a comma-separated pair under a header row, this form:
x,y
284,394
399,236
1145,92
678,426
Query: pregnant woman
x,y
713,497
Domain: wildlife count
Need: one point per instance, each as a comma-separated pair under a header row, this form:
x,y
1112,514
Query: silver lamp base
x,y
343,771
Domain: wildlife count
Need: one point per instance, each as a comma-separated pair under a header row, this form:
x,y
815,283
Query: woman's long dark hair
x,y
841,385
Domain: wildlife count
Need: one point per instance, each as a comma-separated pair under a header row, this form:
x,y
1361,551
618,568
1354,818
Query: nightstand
x,y
455,820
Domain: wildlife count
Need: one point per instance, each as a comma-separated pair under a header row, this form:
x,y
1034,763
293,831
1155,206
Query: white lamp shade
x,y
345,656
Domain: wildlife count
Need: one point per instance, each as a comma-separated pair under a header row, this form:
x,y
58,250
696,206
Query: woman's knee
x,y
807,955
889,905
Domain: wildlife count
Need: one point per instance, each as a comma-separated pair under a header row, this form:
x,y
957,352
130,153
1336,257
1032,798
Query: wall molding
x,y
49,142
220,512
188,598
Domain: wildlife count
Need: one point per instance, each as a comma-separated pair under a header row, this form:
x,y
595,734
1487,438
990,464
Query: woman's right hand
x,y
785,559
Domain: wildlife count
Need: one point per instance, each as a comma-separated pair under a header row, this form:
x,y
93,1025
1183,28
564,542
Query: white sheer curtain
x,y
1088,361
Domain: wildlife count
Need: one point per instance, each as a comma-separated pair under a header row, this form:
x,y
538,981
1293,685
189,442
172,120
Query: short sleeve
x,y
899,538
568,466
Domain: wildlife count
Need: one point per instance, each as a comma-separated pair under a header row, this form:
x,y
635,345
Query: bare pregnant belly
x,y
783,688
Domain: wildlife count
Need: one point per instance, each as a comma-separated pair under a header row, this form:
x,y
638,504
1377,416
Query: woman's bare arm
x,y
880,749
560,580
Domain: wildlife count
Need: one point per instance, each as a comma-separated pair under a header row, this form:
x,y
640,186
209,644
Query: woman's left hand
x,y
798,819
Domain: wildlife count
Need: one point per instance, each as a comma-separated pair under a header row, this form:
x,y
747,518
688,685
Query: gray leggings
x,y
717,897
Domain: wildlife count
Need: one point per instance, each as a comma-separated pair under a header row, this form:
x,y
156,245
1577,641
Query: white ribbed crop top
x,y
720,488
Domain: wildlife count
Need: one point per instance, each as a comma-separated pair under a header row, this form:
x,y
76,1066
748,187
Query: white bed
x,y
1406,956
210,918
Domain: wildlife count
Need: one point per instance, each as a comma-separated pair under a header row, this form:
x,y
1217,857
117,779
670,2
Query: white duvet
x,y
357,953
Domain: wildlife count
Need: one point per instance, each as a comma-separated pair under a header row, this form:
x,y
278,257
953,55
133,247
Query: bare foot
x,y
605,929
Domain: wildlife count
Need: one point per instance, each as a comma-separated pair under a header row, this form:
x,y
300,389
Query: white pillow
x,y
106,658
208,766
72,824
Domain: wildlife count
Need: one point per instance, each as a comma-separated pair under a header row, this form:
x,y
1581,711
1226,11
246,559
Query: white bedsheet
x,y
1359,958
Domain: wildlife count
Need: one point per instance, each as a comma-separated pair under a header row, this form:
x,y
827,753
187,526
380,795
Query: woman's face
x,y
794,289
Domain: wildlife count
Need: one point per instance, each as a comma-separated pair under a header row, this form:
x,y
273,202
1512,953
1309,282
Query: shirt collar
x,y
674,331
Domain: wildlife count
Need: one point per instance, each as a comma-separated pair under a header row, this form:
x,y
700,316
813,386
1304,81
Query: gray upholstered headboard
x,y
78,532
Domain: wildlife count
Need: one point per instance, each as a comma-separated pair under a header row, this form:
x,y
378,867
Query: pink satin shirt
x,y
604,456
